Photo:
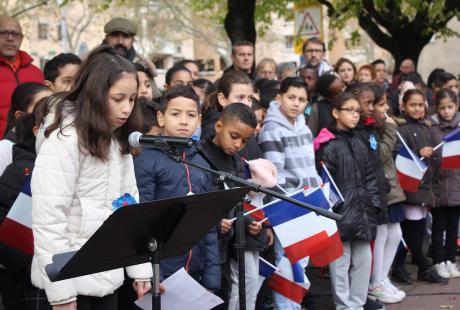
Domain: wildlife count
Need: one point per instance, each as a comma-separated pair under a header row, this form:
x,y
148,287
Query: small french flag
x,y
287,279
16,228
299,230
410,169
451,151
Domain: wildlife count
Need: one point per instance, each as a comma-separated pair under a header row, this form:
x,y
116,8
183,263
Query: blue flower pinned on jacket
x,y
373,142
124,200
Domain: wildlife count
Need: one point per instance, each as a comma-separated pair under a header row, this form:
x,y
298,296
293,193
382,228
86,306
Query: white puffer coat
x,y
72,194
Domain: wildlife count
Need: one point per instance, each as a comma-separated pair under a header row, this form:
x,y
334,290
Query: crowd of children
x,y
71,135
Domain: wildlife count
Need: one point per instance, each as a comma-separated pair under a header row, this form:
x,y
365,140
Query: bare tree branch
x,y
44,2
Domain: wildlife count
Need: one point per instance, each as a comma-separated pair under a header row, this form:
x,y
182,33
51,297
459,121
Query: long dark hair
x,y
21,99
224,86
87,104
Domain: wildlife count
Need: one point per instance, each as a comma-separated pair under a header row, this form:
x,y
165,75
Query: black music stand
x,y
146,232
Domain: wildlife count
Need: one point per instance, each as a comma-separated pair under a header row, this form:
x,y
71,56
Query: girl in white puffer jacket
x,y
83,165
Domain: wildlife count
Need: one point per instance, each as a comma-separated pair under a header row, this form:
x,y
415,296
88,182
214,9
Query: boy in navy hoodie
x,y
159,177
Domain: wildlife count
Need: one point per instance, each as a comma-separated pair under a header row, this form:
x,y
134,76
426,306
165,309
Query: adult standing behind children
x,y
314,52
243,59
120,34
15,65
83,165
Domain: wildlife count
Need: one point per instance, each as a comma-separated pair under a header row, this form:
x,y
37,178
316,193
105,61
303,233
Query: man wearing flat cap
x,y
120,34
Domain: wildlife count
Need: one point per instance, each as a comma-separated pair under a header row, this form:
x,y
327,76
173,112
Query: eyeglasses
x,y
351,111
311,51
4,34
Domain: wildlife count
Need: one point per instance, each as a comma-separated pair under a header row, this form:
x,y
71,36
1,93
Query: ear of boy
x,y
160,119
278,99
18,114
50,85
221,99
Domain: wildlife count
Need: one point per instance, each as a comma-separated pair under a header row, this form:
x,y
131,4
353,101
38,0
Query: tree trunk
x,y
239,21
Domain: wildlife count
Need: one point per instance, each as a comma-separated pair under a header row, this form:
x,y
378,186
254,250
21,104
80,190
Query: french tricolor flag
x,y
287,279
410,169
451,151
253,205
332,248
300,231
16,229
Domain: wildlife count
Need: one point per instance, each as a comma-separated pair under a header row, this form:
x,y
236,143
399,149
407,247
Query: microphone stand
x,y
222,176
239,225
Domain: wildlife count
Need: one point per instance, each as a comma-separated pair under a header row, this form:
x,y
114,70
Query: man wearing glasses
x,y
15,65
314,51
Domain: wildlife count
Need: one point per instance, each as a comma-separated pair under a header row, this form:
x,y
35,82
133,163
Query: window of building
x,y
59,32
289,42
42,31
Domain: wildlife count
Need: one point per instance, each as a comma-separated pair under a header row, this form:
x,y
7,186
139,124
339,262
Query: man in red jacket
x,y
15,65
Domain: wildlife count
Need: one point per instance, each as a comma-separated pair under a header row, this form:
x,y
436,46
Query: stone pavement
x,y
420,295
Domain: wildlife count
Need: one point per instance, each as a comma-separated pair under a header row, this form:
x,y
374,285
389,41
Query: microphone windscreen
x,y
134,138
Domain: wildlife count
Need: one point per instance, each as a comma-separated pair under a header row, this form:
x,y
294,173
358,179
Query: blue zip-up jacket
x,y
159,177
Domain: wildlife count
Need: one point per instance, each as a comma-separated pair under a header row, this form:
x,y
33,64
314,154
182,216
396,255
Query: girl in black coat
x,y
347,159
417,136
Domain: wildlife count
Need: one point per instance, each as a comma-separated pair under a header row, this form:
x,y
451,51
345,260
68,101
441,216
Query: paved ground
x,y
420,295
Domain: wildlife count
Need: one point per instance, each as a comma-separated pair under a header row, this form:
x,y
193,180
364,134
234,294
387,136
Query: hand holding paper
x,y
182,292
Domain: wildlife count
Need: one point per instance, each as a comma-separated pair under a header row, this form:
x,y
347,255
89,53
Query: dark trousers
x,y
127,296
445,219
413,233
109,302
18,293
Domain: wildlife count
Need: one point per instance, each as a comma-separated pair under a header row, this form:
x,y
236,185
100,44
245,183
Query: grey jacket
x,y
290,148
448,180
387,141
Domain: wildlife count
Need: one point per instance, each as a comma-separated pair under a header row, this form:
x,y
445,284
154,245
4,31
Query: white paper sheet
x,y
182,292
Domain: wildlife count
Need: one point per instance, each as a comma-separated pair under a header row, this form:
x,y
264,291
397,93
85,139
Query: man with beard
x,y
120,34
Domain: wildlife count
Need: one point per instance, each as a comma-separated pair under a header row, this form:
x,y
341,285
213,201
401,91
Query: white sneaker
x,y
382,294
442,271
396,290
452,269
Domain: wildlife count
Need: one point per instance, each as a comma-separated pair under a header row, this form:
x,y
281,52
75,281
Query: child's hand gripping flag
x,y
409,167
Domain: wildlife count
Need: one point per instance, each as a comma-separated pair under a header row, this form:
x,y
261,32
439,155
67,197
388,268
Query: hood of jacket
x,y
325,135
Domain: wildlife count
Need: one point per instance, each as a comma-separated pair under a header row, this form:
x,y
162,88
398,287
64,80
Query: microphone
x,y
136,139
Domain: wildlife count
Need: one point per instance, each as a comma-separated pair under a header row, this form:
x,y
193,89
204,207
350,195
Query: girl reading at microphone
x,y
83,165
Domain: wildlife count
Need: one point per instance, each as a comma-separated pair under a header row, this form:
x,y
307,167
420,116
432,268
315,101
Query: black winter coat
x,y
218,160
417,135
369,137
11,183
347,159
